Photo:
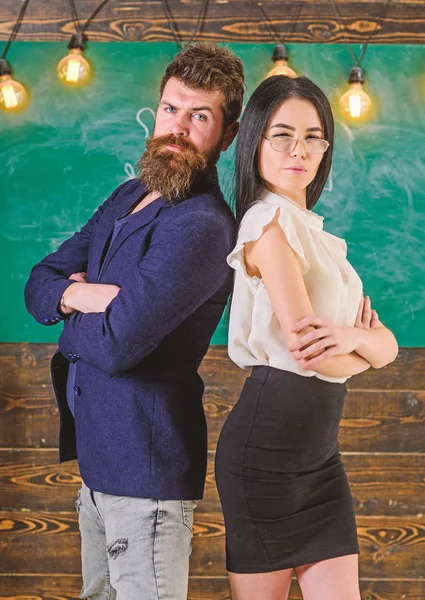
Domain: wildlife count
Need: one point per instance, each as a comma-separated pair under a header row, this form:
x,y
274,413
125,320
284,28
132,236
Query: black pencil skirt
x,y
282,485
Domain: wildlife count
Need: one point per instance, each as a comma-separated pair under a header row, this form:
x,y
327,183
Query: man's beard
x,y
172,173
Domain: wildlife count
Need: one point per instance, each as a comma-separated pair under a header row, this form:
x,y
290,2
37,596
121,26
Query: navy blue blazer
x,y
139,426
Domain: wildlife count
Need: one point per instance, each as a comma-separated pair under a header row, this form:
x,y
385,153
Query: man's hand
x,y
87,297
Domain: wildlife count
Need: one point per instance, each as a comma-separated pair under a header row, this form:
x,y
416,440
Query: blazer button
x,y
77,390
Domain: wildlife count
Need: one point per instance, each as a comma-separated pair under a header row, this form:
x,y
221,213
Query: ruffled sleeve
x,y
251,229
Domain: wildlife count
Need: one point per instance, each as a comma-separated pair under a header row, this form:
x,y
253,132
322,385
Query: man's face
x,y
192,115
187,139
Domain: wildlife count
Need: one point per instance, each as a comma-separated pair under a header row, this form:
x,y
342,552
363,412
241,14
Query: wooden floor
x,y
382,437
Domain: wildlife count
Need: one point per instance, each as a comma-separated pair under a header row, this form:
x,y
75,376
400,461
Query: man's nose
x,y
180,126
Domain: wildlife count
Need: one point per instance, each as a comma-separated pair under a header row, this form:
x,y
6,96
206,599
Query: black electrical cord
x,y
273,33
94,13
201,16
358,61
74,15
173,27
76,19
171,24
15,29
79,38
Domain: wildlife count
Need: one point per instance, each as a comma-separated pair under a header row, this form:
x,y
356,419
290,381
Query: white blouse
x,y
333,286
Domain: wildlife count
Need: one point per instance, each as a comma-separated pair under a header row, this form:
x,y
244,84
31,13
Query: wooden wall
x,y
382,433
225,21
383,443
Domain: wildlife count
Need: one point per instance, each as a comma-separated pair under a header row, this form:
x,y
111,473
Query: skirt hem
x,y
293,564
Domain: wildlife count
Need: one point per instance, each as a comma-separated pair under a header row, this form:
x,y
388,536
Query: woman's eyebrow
x,y
283,125
293,128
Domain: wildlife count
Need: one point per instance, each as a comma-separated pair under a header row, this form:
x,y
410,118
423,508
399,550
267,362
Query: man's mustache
x,y
173,140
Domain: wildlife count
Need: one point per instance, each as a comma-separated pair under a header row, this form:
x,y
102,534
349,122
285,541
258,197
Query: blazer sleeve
x,y
49,278
183,267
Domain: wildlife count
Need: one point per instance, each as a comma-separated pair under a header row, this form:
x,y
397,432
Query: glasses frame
x,y
294,145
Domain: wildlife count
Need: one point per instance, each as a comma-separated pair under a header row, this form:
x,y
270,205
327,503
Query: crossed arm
x,y
316,344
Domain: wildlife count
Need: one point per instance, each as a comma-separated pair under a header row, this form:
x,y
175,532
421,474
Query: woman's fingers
x,y
367,313
310,363
318,346
311,320
360,313
375,320
310,337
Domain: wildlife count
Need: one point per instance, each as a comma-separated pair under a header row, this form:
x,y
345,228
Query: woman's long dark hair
x,y
263,102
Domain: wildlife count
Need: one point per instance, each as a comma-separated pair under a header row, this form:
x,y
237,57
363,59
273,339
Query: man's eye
x,y
200,117
170,109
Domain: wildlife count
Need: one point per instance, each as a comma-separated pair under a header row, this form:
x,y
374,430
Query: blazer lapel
x,y
134,223
120,206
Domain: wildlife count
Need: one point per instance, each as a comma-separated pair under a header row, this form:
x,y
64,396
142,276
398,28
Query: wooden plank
x,y
407,372
391,547
28,411
67,587
381,415
388,484
235,21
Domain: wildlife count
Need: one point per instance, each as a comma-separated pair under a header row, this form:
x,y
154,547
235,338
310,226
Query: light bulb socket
x,y
5,68
280,53
78,40
356,75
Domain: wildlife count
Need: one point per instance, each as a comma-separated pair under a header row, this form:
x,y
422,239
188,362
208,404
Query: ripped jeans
x,y
134,548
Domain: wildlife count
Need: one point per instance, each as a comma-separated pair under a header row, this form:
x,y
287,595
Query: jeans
x,y
134,548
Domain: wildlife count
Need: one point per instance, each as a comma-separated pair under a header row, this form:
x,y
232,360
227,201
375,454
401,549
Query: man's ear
x,y
229,135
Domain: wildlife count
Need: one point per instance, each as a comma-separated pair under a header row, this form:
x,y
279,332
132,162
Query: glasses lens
x,y
316,146
281,143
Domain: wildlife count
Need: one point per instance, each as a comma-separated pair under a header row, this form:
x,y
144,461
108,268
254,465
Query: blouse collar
x,y
269,197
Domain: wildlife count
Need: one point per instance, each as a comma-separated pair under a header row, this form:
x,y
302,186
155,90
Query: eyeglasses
x,y
285,143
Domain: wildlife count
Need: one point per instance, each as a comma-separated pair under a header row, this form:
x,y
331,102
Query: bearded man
x,y
141,289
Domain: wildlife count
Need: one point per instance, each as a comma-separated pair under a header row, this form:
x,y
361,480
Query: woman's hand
x,y
366,317
324,341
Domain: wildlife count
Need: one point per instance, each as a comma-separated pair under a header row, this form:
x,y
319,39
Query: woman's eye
x,y
282,135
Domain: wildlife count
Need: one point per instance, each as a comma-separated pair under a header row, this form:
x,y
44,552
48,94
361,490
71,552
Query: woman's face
x,y
291,171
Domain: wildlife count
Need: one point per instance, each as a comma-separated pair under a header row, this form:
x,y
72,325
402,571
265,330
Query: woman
x,y
299,318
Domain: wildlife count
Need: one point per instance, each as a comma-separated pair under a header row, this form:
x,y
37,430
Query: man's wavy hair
x,y
206,66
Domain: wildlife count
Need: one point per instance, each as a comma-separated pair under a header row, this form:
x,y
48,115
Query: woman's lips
x,y
296,170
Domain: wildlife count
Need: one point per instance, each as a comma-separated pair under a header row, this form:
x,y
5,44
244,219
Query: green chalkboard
x,y
62,157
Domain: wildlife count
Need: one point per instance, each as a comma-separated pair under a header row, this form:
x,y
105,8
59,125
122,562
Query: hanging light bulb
x,y
280,58
13,96
73,69
355,103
